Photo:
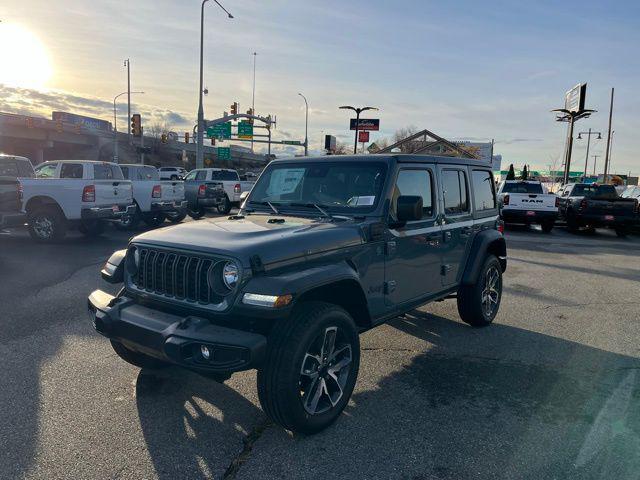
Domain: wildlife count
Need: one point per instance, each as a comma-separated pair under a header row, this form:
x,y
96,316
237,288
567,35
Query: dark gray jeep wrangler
x,y
322,249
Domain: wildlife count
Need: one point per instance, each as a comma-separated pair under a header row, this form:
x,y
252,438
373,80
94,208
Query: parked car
x,y
527,202
202,195
597,206
155,199
172,173
11,169
74,194
230,181
324,248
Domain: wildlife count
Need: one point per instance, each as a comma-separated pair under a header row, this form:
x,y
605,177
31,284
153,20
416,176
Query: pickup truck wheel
x,y
621,232
92,228
547,226
176,217
196,214
136,359
224,207
154,220
478,304
129,222
47,224
311,367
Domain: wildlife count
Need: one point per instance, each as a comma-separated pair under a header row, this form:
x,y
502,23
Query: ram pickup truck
x,y
155,199
230,181
74,194
322,250
527,202
11,169
597,206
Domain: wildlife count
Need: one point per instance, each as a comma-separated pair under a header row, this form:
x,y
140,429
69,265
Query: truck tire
x,y
196,214
136,359
176,217
129,222
547,226
225,207
311,367
92,228
478,303
153,220
622,232
47,224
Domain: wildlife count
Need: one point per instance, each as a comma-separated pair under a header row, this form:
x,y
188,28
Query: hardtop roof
x,y
399,157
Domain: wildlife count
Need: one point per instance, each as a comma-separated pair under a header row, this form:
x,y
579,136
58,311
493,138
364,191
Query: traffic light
x,y
234,108
136,125
250,112
163,138
186,137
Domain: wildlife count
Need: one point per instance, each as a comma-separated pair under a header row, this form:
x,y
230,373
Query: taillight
x,y
500,226
89,193
557,202
505,200
237,188
156,192
202,190
583,204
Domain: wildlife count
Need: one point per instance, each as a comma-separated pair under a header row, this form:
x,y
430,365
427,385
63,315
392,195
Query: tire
x,y
285,393
47,224
472,302
547,226
92,228
196,214
176,217
129,222
622,232
136,359
225,207
153,220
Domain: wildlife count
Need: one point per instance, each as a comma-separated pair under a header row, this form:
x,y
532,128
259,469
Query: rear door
x,y
111,187
457,222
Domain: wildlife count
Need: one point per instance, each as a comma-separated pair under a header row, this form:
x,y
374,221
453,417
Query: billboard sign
x,y
292,142
224,153
365,124
245,130
82,121
574,98
219,130
363,136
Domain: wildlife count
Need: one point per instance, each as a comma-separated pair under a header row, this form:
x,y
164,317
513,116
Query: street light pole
x,y
115,123
253,97
127,64
200,132
358,111
595,159
306,125
586,157
606,154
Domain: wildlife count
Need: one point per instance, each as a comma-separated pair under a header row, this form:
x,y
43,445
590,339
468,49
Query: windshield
x,y
522,188
607,191
336,186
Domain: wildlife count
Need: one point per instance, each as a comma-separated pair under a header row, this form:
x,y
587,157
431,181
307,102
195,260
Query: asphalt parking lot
x,y
550,390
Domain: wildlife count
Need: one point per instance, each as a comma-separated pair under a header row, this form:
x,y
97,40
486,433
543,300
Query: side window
x,y
201,175
483,194
125,172
148,173
191,175
71,170
25,169
454,183
47,171
418,183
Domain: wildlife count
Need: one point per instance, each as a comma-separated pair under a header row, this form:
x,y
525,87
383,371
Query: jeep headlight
x,y
231,275
224,277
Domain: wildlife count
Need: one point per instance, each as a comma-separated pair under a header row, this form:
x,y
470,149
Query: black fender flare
x,y
487,241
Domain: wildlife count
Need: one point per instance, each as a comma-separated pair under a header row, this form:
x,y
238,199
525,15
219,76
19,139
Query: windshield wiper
x,y
268,204
315,205
273,208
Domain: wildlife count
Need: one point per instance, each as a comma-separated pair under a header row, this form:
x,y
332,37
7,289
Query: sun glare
x,y
24,61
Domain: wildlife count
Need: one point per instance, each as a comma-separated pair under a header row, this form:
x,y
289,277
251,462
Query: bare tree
x,y
158,128
406,132
342,149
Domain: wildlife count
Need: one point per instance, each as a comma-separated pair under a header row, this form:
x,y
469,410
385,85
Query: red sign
x,y
363,136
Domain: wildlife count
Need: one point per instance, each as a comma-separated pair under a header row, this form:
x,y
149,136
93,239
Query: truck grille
x,y
175,275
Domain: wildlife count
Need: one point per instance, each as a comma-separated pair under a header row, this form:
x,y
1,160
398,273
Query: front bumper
x,y
173,338
169,206
107,212
528,216
12,219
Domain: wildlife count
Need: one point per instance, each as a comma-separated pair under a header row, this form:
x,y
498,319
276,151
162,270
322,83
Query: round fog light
x,y
204,350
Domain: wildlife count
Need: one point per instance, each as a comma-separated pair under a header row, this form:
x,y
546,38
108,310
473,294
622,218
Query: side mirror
x,y
409,208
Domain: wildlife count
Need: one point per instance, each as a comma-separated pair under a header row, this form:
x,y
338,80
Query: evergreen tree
x,y
525,173
512,174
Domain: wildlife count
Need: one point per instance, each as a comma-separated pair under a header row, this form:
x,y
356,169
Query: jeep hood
x,y
273,238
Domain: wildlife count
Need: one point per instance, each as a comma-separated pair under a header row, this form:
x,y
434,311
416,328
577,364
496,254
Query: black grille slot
x,y
184,277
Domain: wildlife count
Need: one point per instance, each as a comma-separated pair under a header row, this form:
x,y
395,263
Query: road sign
x,y
365,124
292,142
219,130
224,153
574,98
245,130
363,136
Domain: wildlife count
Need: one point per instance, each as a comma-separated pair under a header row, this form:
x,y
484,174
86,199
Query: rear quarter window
x,y
484,195
107,172
25,169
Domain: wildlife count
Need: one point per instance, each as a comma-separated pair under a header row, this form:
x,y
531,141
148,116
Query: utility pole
x,y
127,64
586,157
253,97
306,125
358,111
595,159
606,155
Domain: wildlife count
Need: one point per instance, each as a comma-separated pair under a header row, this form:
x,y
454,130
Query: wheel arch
x,y
42,201
488,242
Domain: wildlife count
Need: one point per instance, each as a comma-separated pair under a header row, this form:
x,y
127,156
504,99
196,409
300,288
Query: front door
x,y
457,225
412,265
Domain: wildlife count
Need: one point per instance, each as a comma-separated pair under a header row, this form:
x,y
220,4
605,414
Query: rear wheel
x,y
622,232
129,222
136,358
153,220
311,367
196,213
47,224
92,228
478,303
547,226
225,207
176,217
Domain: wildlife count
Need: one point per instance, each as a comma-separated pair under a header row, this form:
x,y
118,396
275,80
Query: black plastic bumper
x,y
173,338
209,202
528,216
12,219
169,206
107,212
604,221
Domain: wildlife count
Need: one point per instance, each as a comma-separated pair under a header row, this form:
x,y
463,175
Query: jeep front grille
x,y
175,275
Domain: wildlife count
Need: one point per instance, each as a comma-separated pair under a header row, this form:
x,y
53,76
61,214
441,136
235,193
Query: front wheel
x,y
478,303
621,232
547,226
196,213
311,367
129,222
176,217
154,220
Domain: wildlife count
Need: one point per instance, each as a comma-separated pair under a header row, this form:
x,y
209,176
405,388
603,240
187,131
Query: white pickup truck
x,y
74,194
527,202
155,199
230,180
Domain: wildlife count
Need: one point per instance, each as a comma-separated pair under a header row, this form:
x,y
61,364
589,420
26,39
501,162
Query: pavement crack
x,y
248,442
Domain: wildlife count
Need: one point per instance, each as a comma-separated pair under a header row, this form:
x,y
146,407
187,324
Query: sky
x,y
465,70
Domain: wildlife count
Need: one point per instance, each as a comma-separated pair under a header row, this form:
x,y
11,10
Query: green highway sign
x,y
219,130
224,153
292,142
245,130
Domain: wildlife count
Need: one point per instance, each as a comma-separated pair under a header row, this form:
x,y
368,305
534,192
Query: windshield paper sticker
x,y
285,181
362,201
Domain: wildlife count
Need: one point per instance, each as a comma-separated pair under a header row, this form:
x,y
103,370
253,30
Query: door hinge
x,y
389,287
